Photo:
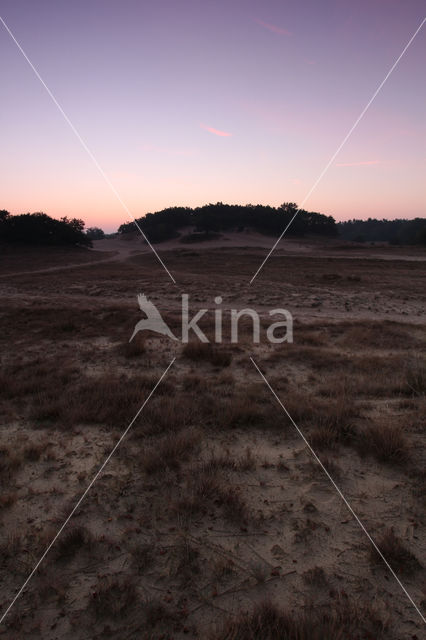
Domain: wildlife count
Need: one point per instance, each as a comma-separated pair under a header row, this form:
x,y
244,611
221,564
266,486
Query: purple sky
x,y
186,102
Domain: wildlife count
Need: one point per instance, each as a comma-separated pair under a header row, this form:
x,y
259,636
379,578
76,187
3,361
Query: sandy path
x,y
122,251
125,249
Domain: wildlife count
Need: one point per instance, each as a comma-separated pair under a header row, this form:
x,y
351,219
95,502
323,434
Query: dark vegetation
x,y
269,622
74,539
400,558
206,351
213,218
392,231
41,229
212,506
208,221
114,597
95,233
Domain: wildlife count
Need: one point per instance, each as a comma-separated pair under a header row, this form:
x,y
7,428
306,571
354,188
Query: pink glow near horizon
x,y
136,83
357,164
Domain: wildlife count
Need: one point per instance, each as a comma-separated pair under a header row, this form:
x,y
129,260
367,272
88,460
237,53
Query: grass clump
x,y
205,351
114,597
398,556
170,451
268,622
108,399
416,378
132,349
71,542
387,443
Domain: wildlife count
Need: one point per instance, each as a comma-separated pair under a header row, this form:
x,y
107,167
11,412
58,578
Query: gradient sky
x,y
185,102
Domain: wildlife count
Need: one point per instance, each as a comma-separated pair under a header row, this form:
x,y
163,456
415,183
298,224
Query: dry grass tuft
x,y
259,571
132,349
109,399
164,414
333,422
416,377
233,505
170,451
207,352
247,462
206,487
71,542
194,382
33,452
24,378
8,499
377,335
400,558
268,622
143,557
155,613
9,462
387,443
323,437
223,567
114,597
250,409
315,577
219,461
242,411
331,466
185,561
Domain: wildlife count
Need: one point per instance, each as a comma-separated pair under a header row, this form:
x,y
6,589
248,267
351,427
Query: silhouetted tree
x,y
39,228
74,223
164,224
95,233
393,231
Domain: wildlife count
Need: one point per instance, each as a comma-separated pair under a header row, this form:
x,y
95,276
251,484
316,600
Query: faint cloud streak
x,y
216,132
273,28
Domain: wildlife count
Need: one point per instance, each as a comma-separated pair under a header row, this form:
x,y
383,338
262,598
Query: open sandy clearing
x,y
213,505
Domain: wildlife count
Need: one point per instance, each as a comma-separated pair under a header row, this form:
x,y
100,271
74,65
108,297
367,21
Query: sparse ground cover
x,y
212,520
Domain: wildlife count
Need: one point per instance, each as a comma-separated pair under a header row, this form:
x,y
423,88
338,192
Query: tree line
x,y
393,231
208,221
40,229
214,218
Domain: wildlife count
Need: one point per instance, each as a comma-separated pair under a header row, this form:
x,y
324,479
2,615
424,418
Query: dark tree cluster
x,y
218,217
95,233
41,229
392,231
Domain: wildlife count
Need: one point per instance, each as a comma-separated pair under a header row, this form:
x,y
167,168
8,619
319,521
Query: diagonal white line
x,y
88,151
339,492
92,482
347,136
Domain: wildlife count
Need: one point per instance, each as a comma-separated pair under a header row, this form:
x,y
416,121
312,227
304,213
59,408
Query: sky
x,y
188,102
